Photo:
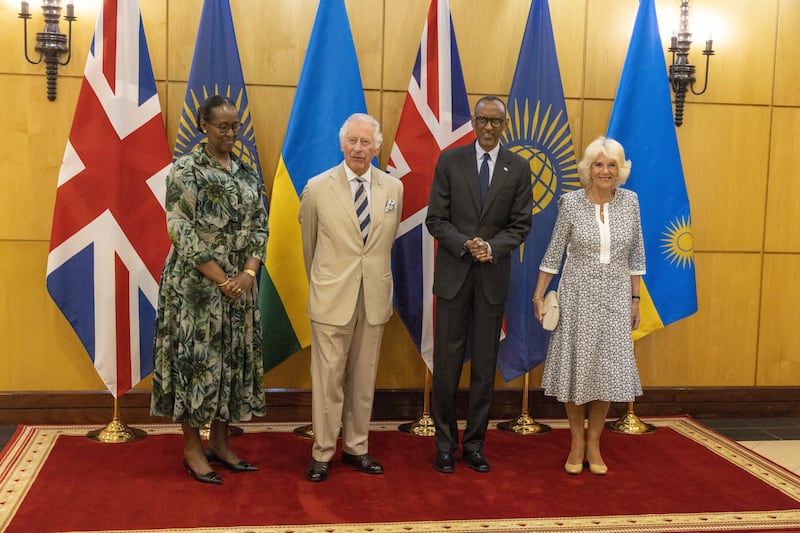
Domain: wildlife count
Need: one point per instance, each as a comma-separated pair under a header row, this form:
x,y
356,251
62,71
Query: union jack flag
x,y
435,117
109,239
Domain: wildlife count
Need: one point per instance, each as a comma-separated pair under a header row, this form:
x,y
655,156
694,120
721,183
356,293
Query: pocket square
x,y
390,205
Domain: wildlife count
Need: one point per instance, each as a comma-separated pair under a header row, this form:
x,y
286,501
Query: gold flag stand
x,y
422,426
116,431
524,424
630,423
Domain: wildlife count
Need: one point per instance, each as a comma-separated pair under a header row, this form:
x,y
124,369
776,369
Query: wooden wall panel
x,y
35,138
367,24
489,35
569,27
725,151
783,215
787,55
11,39
391,107
608,32
401,41
737,146
744,34
181,37
717,345
595,123
779,336
40,351
154,19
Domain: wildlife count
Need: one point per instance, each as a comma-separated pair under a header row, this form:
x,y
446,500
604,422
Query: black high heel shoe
x,y
209,477
241,466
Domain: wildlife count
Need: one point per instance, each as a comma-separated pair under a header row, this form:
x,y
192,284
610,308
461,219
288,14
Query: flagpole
x,y
630,423
116,431
524,424
423,426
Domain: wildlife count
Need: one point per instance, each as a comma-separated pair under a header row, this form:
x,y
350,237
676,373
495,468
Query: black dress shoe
x,y
209,477
317,470
444,462
241,466
477,461
363,463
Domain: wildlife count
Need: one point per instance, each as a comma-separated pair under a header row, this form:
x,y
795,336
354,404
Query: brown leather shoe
x,y
363,463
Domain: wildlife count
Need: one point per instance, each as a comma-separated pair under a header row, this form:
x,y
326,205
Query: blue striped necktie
x,y
362,208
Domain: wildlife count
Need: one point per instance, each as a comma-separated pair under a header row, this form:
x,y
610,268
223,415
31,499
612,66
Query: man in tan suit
x,y
349,216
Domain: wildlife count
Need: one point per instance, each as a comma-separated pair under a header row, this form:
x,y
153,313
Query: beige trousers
x,y
344,364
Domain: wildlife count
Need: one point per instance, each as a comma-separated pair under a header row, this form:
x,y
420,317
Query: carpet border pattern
x,y
28,451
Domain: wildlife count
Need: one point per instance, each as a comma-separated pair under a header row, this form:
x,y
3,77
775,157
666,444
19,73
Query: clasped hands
x,y
237,286
479,249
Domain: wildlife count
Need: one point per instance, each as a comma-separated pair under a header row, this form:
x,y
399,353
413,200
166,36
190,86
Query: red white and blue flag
x,y
109,239
435,117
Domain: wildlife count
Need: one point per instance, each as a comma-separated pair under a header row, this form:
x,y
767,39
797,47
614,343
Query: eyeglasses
x,y
224,127
495,121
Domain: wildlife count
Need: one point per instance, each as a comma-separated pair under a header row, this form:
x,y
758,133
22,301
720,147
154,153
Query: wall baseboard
x,y
97,407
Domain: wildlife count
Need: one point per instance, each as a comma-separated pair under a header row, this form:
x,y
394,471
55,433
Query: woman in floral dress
x,y
590,360
208,364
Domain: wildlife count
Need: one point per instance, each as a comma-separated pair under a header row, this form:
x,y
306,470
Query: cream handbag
x,y
550,311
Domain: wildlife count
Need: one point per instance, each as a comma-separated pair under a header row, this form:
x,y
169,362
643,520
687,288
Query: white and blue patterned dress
x,y
590,356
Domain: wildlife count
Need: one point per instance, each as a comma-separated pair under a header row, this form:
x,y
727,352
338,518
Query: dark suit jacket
x,y
455,216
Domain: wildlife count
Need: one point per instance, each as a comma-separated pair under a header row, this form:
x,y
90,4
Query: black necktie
x,y
484,176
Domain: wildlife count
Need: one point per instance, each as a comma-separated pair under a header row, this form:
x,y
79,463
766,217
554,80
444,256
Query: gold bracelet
x,y
537,298
250,272
227,280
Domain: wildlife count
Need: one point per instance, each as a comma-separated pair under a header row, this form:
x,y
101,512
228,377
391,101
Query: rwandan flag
x,y
216,69
328,92
642,121
539,131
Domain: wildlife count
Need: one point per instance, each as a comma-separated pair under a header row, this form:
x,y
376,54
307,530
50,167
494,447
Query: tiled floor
x,y
777,439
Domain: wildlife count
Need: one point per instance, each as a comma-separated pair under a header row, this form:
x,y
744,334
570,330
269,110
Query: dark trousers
x,y
469,314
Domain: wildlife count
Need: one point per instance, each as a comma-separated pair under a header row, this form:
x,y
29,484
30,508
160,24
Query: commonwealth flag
x,y
109,236
538,131
329,91
642,121
216,69
435,117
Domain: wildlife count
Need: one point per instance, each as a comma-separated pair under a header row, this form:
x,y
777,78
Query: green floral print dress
x,y
208,363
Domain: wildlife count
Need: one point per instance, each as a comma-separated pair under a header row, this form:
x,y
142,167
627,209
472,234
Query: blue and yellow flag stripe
x,y
642,121
329,91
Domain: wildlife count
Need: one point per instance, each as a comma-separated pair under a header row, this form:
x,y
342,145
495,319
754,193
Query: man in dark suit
x,y
479,212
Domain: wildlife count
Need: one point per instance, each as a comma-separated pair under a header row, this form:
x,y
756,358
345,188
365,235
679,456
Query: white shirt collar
x,y
480,151
367,176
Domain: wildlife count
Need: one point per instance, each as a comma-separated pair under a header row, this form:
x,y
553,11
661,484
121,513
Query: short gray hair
x,y
362,117
609,148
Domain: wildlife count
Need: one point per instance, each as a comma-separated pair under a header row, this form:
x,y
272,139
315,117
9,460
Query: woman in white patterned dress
x,y
590,360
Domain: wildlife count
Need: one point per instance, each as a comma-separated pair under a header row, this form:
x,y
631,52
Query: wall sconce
x,y
681,73
50,43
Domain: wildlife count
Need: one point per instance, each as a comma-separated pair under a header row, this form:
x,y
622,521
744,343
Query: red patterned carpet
x,y
683,477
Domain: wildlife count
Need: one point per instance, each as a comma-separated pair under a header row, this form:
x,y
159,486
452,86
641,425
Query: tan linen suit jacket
x,y
337,261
